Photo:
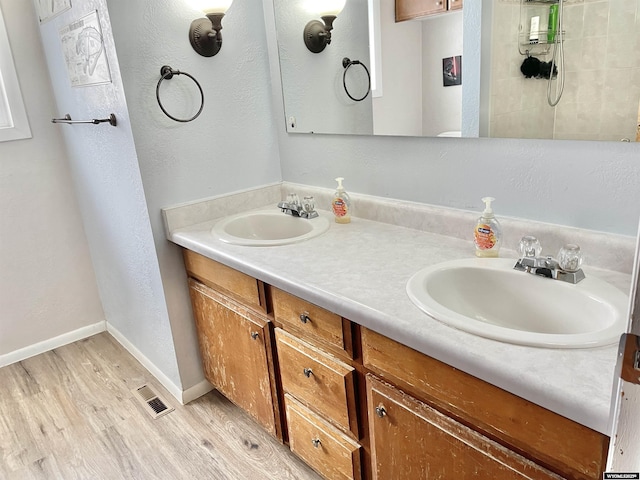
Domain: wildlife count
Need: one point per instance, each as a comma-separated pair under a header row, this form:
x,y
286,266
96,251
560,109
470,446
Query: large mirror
x,y
411,77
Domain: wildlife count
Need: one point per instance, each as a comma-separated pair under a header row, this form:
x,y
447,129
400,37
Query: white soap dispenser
x,y
487,234
341,204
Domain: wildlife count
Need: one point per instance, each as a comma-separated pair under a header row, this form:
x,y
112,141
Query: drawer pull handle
x,y
307,372
255,335
381,411
316,442
304,317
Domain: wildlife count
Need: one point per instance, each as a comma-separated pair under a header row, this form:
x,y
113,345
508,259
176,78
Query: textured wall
x,y
231,146
47,285
107,179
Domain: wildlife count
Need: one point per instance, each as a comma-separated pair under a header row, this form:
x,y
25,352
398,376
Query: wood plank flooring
x,y
70,414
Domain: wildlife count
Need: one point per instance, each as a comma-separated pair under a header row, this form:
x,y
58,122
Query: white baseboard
x,y
173,389
196,391
52,343
183,397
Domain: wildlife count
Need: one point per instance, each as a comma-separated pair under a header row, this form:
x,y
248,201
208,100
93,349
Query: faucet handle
x,y
292,199
570,257
529,247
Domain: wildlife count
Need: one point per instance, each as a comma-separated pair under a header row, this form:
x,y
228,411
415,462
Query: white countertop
x,y
360,270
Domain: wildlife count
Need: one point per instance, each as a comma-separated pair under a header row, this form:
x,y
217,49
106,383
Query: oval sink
x,y
267,228
487,297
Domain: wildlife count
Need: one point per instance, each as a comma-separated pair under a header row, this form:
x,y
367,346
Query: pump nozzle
x,y
488,212
339,180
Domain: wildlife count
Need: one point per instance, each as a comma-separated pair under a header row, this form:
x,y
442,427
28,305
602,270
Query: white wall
x,y
441,106
47,284
399,110
321,73
230,147
106,176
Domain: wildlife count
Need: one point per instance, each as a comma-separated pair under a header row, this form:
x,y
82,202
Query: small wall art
x,y
452,71
84,52
47,9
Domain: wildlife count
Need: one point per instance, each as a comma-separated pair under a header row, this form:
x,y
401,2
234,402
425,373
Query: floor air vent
x,y
153,403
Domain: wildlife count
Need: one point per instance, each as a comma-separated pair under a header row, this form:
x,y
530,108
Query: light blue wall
x,y
104,167
231,146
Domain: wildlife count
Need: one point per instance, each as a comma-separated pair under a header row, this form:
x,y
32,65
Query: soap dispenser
x,y
341,204
487,234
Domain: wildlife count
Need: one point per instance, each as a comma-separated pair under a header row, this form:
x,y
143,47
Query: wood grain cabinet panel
x,y
408,9
235,346
318,380
552,440
327,450
412,441
455,5
214,274
313,323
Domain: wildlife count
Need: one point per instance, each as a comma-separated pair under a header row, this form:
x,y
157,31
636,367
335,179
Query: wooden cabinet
x,y
553,441
413,441
315,354
410,9
318,380
325,448
300,371
236,349
315,324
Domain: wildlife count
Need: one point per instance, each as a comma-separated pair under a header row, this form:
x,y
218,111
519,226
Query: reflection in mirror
x,y
600,101
405,61
601,45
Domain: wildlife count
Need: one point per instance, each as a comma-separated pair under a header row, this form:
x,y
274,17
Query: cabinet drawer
x,y
312,322
325,449
455,4
215,275
412,441
318,380
552,440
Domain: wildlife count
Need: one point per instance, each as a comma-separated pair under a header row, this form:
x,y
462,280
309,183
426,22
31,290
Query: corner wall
x,y
47,283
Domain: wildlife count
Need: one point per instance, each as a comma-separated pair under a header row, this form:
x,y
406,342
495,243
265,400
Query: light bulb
x,y
212,6
325,7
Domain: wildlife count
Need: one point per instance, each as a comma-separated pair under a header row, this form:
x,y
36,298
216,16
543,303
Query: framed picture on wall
x,y
47,9
452,71
84,52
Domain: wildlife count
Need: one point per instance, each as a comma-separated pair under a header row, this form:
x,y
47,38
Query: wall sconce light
x,y
204,34
317,34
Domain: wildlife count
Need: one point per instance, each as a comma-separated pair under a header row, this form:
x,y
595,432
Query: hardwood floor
x,y
70,414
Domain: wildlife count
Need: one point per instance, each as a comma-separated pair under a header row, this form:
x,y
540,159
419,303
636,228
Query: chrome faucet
x,y
566,268
293,207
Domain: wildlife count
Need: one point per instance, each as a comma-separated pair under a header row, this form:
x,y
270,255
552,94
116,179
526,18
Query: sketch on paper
x,y
47,9
84,53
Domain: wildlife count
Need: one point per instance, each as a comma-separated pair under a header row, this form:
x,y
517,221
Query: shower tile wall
x,y
602,59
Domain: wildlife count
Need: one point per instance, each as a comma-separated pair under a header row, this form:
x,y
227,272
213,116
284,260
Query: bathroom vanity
x,y
318,342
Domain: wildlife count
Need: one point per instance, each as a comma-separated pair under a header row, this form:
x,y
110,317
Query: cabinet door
x,y
410,440
455,4
408,9
235,349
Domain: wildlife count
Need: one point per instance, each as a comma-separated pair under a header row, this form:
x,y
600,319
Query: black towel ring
x,y
346,63
167,74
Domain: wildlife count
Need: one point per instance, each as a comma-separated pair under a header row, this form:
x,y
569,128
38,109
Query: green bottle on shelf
x,y
553,23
